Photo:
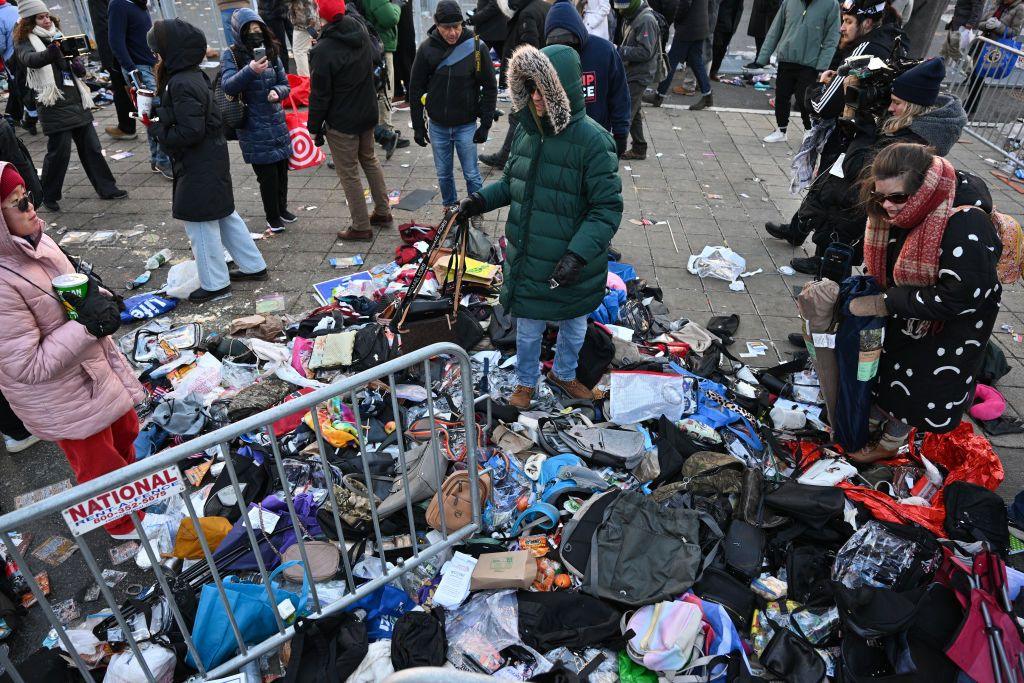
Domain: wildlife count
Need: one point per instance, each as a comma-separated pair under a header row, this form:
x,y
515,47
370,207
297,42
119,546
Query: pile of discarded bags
x,y
694,523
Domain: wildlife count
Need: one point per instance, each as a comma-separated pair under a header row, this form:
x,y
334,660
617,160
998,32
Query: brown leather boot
x,y
381,219
886,447
574,388
521,398
356,235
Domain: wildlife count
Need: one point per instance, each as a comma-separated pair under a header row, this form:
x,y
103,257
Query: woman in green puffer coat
x,y
562,185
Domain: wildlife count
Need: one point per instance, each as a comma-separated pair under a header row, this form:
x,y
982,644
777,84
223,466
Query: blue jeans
x,y
156,155
225,20
445,139
691,52
571,333
210,239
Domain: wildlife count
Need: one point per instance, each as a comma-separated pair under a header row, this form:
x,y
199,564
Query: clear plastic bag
x,y
718,262
481,628
873,557
606,672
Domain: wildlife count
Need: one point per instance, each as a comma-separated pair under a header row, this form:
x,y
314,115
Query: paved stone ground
x,y
691,157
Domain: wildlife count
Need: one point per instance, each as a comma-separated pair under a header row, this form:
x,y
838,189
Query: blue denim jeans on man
x,y
156,155
571,334
443,141
691,52
210,239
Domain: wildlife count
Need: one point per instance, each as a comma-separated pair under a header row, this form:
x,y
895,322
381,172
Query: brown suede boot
x,y
521,398
356,235
381,219
886,447
573,388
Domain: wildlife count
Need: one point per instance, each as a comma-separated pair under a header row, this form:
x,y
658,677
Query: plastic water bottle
x,y
158,259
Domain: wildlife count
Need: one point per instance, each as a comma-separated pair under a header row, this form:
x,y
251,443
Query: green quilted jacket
x,y
384,15
563,188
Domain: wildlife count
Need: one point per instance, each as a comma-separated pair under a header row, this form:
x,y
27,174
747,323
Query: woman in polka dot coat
x,y
933,249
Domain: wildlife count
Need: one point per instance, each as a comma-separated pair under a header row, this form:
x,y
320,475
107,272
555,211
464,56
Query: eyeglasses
x,y
23,203
895,197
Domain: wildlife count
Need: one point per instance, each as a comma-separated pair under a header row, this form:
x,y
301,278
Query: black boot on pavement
x,y
652,97
703,103
808,266
493,160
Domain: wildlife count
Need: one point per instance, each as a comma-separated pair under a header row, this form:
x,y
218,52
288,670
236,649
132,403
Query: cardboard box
x,y
504,570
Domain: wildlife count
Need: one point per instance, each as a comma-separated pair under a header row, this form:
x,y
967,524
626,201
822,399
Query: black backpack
x,y
572,620
255,481
371,347
973,513
596,355
327,650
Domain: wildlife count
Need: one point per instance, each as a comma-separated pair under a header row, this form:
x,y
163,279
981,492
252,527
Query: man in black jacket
x,y
453,71
343,109
526,27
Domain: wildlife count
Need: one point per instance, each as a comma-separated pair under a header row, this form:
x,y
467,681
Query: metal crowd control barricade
x,y
990,84
163,478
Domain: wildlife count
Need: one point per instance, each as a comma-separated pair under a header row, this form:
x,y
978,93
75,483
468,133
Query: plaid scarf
x,y
925,215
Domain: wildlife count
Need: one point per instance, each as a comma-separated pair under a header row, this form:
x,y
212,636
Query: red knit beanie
x,y
8,181
329,9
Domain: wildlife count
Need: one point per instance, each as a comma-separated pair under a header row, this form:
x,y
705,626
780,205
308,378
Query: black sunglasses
x,y
23,203
895,197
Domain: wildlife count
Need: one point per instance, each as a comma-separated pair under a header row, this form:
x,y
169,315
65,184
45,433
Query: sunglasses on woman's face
x,y
23,203
895,197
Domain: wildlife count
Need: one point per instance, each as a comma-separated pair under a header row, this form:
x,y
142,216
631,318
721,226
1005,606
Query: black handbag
x,y
744,549
233,111
735,596
792,658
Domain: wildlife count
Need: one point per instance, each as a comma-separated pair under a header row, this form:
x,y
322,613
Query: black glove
x,y
78,67
473,205
55,54
567,270
319,140
620,144
421,138
753,65
97,311
480,137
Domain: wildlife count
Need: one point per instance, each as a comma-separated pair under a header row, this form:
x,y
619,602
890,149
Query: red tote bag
x,y
304,153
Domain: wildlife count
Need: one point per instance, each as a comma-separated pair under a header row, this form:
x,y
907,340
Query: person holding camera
x,y
805,33
917,113
453,72
932,248
65,379
64,104
189,127
564,194
1005,19
253,70
343,112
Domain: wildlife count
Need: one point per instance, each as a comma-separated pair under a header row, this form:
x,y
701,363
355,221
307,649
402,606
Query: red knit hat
x,y
9,180
329,9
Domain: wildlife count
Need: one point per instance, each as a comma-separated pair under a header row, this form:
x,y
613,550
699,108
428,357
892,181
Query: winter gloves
x,y
868,306
480,137
473,205
567,270
97,311
620,144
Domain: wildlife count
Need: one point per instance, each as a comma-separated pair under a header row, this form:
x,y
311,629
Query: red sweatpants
x,y
105,451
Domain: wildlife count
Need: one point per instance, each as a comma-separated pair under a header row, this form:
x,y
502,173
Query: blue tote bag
x,y
215,642
994,62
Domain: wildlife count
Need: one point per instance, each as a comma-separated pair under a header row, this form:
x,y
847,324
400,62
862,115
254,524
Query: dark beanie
x,y
920,85
448,12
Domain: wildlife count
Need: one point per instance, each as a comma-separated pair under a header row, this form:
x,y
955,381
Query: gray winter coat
x,y
66,113
1011,19
941,127
641,46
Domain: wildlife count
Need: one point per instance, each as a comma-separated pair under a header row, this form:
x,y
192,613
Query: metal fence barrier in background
x,y
167,461
991,87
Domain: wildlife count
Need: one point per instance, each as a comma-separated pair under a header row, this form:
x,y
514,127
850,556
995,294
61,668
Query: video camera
x,y
870,96
73,46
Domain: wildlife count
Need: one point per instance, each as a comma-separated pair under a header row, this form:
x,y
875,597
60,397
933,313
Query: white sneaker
x,y
775,136
132,535
18,445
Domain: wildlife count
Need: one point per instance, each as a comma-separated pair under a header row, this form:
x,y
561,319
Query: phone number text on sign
x,y
123,500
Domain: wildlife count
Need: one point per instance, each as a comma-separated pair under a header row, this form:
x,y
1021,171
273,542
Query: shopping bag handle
x,y
304,597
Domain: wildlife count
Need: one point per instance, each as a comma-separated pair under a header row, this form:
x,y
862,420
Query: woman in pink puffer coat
x,y
65,384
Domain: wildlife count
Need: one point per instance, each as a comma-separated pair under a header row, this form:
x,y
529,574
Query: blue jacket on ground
x,y
604,76
264,139
8,18
127,26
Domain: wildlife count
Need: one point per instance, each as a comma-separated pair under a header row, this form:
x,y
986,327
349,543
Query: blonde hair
x,y
910,112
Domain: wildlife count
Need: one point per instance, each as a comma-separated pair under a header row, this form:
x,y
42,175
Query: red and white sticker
x,y
123,500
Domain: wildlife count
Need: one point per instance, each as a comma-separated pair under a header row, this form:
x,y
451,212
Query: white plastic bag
x,y
717,262
124,667
182,279
639,396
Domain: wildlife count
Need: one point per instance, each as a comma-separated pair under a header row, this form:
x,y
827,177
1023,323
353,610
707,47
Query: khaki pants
x,y
349,153
301,44
384,98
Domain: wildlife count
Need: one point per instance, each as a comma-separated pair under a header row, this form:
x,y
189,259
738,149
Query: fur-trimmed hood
x,y
556,72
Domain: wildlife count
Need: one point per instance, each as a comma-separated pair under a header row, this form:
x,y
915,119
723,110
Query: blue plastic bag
x,y
382,608
214,639
143,306
994,62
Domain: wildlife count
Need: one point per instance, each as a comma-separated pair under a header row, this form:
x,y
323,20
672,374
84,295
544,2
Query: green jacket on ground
x,y
384,14
563,188
805,32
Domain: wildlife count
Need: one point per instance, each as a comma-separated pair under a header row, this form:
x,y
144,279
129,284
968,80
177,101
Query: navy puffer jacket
x,y
264,138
